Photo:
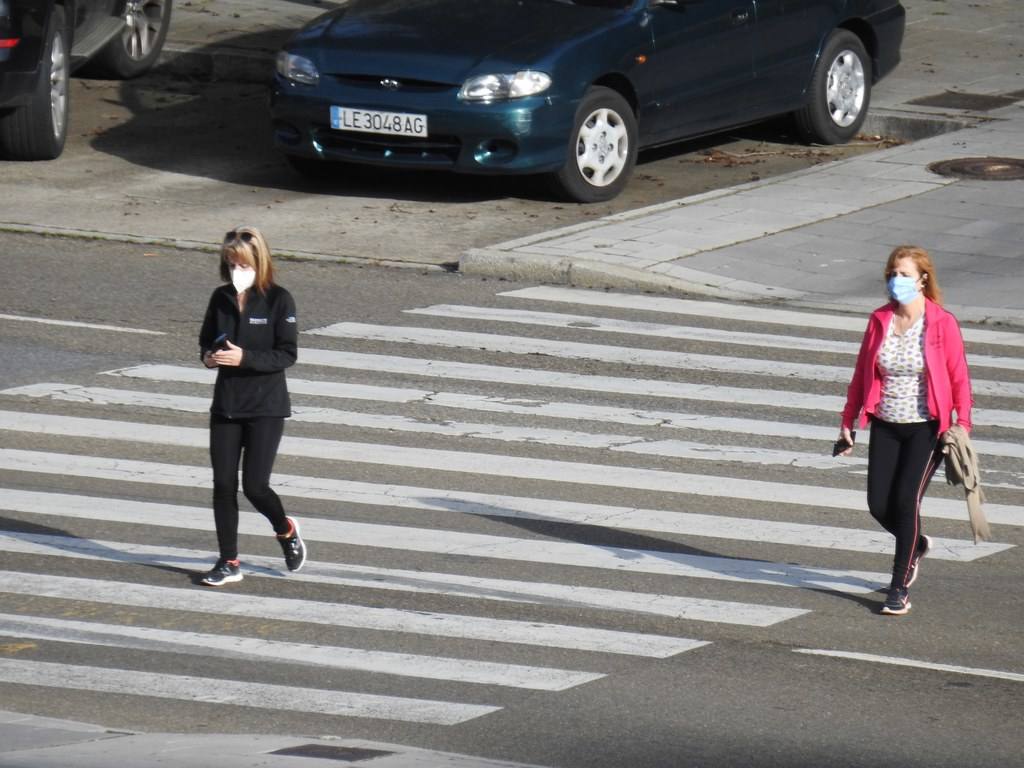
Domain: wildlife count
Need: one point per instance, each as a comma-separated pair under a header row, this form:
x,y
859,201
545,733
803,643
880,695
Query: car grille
x,y
434,152
405,85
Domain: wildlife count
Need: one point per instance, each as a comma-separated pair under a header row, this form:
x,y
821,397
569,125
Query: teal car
x,y
570,88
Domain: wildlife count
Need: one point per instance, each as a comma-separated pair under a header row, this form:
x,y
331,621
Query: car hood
x,y
445,40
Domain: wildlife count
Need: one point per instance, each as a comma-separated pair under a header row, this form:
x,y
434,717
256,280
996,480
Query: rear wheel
x,y
37,130
136,49
840,91
602,148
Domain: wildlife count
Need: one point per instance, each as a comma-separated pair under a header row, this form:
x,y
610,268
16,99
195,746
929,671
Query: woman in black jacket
x,y
249,335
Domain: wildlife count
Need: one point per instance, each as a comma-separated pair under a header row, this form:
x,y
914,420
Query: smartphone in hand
x,y
221,342
841,444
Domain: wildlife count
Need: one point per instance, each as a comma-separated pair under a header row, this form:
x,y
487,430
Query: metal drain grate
x,y
328,752
982,168
973,102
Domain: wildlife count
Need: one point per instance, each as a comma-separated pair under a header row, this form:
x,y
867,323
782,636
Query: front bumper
x,y
529,135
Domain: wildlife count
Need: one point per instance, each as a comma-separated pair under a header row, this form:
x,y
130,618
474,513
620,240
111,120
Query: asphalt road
x,y
178,160
749,697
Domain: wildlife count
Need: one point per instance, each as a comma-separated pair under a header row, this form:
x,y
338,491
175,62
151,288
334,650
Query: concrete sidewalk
x,y
814,238
38,742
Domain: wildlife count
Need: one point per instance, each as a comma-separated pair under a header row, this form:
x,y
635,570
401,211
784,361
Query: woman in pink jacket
x,y
912,383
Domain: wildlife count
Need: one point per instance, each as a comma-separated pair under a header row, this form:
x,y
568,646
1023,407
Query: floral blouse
x,y
904,396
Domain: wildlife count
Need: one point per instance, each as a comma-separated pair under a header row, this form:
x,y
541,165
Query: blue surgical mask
x,y
903,289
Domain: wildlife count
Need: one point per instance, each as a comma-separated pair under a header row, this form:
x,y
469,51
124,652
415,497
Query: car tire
x,y
602,149
135,50
840,91
37,130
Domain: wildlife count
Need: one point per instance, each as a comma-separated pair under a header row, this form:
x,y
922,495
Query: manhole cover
x,y
983,168
973,102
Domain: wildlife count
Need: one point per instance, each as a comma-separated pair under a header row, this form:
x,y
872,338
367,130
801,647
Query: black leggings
x,y
259,438
901,461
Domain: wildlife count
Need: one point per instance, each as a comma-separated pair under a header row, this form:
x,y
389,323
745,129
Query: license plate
x,y
372,121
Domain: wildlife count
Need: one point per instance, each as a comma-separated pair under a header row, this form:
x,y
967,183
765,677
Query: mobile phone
x,y
841,445
221,342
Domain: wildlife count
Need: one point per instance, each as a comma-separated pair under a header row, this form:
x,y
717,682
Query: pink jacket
x,y
949,382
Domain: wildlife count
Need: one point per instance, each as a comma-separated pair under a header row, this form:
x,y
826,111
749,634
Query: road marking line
x,y
661,330
485,403
742,312
430,623
464,462
236,693
574,350
479,431
76,324
896,661
366,577
256,649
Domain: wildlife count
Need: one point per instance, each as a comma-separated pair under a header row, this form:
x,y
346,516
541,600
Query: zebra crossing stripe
x,y
566,554
574,350
486,403
429,623
366,577
406,366
236,693
479,431
660,330
738,312
256,649
483,464
78,324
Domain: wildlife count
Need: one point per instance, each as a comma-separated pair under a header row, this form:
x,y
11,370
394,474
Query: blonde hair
x,y
248,246
923,261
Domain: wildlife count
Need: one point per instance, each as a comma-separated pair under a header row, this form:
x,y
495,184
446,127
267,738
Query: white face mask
x,y
242,278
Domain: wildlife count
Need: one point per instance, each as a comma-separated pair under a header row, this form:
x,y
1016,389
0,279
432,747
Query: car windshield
x,y
619,4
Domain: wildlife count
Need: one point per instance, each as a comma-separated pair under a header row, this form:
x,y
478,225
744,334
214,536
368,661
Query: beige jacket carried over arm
x,y
962,469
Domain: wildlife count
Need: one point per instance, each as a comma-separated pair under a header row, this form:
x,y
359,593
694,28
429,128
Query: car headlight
x,y
297,69
502,87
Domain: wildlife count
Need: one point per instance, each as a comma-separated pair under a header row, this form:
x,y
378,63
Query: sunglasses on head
x,y
245,237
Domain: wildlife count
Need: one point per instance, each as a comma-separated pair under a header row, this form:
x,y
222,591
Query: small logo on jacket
x,y
290,319
257,321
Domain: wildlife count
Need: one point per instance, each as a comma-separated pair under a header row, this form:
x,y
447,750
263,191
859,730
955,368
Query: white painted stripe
x,y
430,623
256,649
561,553
745,312
236,693
77,324
480,431
515,405
411,366
574,350
366,577
1016,677
499,465
661,330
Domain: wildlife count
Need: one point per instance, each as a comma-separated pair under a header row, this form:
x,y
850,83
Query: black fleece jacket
x,y
268,334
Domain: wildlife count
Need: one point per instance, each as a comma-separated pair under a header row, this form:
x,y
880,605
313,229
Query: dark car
x,y
43,42
572,88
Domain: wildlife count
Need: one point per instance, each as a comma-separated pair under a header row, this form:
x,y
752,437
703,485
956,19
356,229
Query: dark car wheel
x,y
602,148
840,91
136,49
37,130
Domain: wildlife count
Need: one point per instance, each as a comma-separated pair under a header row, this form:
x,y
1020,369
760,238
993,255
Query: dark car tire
x,y
840,91
135,50
37,130
599,171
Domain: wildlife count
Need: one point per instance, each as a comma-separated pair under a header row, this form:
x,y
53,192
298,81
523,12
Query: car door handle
x,y
740,16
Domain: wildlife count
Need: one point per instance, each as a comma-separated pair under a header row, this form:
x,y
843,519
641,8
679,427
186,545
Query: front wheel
x,y
602,148
136,49
37,131
840,91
